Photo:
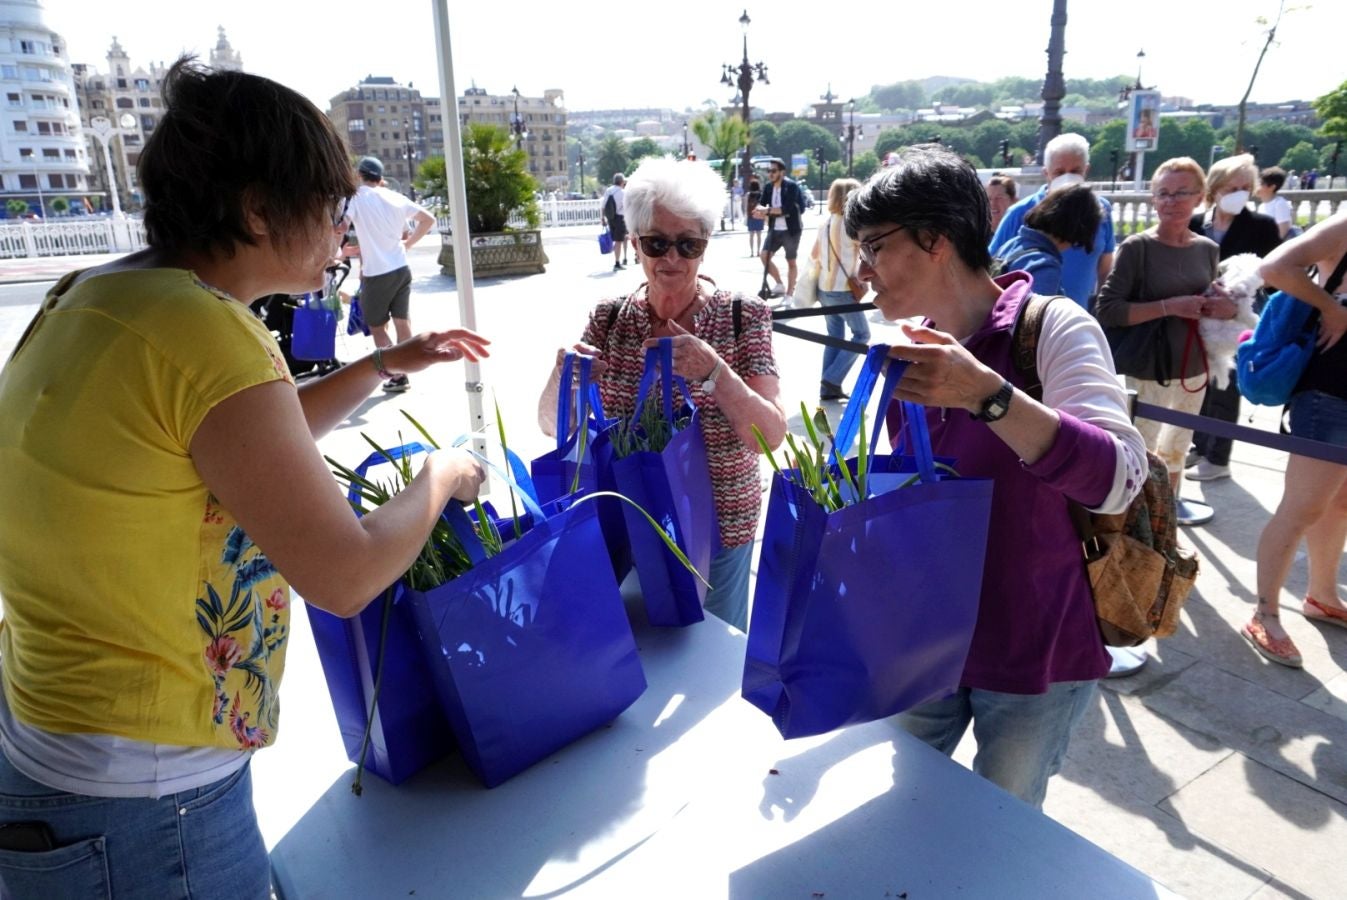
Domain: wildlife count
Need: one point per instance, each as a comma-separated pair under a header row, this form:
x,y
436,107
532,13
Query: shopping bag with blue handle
x,y
583,458
865,611
314,330
530,649
673,485
408,730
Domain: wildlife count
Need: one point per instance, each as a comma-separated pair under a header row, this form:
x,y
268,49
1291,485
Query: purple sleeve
x,y
1080,463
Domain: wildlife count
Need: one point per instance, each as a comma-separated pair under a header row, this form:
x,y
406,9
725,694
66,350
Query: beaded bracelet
x,y
378,360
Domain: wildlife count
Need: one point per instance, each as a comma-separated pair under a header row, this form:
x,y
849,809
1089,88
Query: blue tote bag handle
x,y
876,361
459,521
374,459
586,387
659,364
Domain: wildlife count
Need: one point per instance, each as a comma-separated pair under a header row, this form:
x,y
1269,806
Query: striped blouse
x,y
734,466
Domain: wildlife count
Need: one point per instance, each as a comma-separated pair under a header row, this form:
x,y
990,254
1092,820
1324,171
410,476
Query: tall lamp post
x,y
852,132
516,123
409,153
1054,85
103,129
745,72
581,151
687,148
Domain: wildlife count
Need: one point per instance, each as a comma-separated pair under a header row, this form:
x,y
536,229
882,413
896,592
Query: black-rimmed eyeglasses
x,y
868,247
688,248
341,206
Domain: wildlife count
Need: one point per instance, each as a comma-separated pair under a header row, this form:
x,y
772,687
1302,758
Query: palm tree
x,y
724,135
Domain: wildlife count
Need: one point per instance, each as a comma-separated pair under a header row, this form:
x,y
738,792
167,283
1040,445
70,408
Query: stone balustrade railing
x,y
1133,210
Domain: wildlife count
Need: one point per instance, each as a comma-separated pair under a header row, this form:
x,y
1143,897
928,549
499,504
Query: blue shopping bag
x,y
314,330
530,649
864,612
355,321
605,241
674,487
410,730
584,447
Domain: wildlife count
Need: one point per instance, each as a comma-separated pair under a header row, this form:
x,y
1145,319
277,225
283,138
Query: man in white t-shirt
x,y
1271,203
614,218
381,221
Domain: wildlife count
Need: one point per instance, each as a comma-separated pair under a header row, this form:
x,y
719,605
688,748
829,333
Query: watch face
x,y
708,386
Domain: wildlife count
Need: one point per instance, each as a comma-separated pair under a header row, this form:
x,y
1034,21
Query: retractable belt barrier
x,y
1285,442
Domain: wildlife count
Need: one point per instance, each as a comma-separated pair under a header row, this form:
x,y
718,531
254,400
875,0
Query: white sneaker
x,y
778,289
1207,471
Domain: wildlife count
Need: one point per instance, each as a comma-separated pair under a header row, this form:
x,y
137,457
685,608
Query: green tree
x,y
430,179
765,137
639,149
16,207
866,164
613,158
901,95
1332,111
725,136
496,180
60,205
799,136
1302,157
1274,138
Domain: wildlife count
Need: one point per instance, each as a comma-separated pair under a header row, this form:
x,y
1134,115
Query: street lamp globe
x,y
127,121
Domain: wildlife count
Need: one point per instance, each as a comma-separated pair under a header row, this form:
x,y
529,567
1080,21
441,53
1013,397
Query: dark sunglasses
x,y
688,248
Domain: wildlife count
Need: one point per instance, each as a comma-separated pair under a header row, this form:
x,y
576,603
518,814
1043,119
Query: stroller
x,y
277,312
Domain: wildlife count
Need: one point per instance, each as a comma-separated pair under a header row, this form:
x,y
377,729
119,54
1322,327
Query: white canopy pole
x,y
458,215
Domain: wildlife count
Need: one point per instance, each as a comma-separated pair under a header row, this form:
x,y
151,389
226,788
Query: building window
x,y
142,84
20,127
147,123
15,99
125,103
9,71
28,182
44,128
145,102
25,153
356,125
27,47
50,153
130,138
121,82
56,181
69,154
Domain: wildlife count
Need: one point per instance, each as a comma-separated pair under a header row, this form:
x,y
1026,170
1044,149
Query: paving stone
x,y
1166,848
1290,737
1270,822
1331,698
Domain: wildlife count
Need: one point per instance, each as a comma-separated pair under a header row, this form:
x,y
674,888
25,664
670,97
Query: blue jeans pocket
x,y
75,870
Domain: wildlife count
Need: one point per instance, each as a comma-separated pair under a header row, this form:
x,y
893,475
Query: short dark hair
x,y
933,193
230,139
1068,214
1274,176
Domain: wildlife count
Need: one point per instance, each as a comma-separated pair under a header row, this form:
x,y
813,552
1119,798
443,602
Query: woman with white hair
x,y
722,347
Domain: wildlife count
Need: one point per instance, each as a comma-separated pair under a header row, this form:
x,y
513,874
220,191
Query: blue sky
x,y
669,54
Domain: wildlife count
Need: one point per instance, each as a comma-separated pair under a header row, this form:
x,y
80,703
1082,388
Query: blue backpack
x,y
1269,364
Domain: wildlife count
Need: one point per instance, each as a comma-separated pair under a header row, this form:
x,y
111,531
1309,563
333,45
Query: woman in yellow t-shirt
x,y
171,491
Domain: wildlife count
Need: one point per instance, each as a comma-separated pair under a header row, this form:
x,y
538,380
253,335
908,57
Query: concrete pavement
x,y
1217,773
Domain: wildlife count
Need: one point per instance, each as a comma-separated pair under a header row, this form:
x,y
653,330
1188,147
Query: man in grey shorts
x,y
782,205
381,220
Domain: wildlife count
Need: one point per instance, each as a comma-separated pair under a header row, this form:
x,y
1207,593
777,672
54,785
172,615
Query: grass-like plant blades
x,y
647,429
664,535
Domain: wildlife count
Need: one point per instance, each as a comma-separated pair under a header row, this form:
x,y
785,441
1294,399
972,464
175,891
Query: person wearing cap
x,y
381,219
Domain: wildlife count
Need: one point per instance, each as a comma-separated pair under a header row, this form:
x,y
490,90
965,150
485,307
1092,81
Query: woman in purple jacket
x,y
1036,655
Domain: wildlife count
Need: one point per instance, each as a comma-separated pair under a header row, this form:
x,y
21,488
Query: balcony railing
x,y
19,240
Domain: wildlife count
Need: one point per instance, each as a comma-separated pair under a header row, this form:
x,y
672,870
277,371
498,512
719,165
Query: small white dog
x,y
1220,337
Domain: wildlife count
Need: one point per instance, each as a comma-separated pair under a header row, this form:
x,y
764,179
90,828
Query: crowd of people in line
x,y
183,495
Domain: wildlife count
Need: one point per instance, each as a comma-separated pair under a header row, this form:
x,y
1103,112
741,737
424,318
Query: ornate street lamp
x,y
852,133
581,152
516,123
409,154
1054,86
745,72
687,148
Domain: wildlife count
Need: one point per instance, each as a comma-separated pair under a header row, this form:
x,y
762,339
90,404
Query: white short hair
x,y
1069,144
686,188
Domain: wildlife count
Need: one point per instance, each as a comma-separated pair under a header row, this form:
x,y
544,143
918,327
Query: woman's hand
x,y
597,367
1220,307
457,470
431,347
942,372
693,358
1188,307
1332,326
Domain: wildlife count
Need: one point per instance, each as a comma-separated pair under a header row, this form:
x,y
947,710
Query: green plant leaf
x,y
664,535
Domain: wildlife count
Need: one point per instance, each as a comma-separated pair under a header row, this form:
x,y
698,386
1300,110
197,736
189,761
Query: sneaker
x,y
1207,471
1192,458
398,384
778,289
1191,513
617,267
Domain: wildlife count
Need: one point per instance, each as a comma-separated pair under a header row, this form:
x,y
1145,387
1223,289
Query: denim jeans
x,y
202,843
1021,738
728,597
1319,417
837,363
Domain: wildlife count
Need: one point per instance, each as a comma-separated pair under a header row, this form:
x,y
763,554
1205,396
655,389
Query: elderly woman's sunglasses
x,y
688,248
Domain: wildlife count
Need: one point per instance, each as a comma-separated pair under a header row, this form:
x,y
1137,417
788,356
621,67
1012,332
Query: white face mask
x,y
1066,179
1233,202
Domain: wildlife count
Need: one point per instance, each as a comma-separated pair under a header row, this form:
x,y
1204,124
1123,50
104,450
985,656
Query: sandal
x,y
1278,650
1318,612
